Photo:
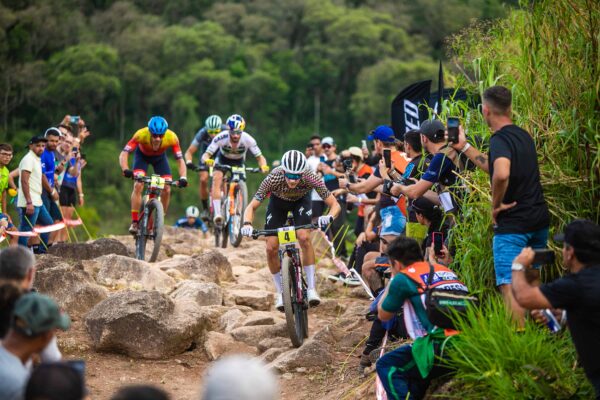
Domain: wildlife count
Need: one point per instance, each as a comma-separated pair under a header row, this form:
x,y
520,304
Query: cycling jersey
x,y
202,139
222,143
142,139
275,184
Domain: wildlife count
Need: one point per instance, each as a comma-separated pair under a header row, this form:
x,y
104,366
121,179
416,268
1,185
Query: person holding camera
x,y
314,157
519,211
578,292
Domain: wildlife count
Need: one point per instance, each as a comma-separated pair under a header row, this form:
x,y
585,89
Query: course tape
x,y
40,229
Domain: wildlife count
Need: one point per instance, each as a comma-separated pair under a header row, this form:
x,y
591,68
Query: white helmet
x,y
192,212
293,162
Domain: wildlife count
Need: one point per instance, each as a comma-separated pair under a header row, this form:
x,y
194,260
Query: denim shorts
x,y
507,246
392,221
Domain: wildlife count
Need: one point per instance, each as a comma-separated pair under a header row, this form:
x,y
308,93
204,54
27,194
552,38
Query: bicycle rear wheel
x,y
296,316
240,200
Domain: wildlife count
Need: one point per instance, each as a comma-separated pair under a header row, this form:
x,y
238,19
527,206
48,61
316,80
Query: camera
x,y
347,162
452,125
74,119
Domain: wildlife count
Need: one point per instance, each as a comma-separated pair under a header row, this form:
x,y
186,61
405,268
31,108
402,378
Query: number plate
x,y
286,235
157,182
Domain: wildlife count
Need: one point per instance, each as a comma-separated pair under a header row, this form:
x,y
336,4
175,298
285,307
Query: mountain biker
x,y
191,220
289,186
212,127
149,145
230,148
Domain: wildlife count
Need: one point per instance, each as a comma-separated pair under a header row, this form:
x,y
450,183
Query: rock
x,y
312,353
351,339
273,343
330,334
202,293
252,335
212,265
257,299
72,287
175,274
239,270
45,261
144,324
218,344
260,318
331,307
272,353
231,320
125,272
89,250
359,293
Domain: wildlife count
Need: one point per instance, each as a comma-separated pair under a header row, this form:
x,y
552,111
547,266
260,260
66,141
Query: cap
x,y
423,206
383,133
327,140
37,314
56,131
37,139
581,234
433,129
356,152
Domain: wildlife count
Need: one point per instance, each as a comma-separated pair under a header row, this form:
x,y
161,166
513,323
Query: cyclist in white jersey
x,y
231,145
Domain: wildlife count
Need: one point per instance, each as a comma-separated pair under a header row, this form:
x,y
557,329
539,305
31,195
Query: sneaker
x,y
339,277
365,361
313,297
218,219
279,302
133,228
351,280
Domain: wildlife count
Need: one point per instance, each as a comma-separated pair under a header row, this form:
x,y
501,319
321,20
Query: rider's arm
x,y
249,212
182,168
190,152
334,206
262,161
123,160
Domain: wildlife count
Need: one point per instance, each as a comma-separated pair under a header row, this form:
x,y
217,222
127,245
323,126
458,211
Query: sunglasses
x,y
235,132
157,136
213,131
326,146
293,177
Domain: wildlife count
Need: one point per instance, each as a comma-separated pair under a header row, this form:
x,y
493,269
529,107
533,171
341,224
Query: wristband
x,y
81,195
517,267
29,202
466,147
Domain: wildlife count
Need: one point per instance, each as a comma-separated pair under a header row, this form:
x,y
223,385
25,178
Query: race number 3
x,y
286,234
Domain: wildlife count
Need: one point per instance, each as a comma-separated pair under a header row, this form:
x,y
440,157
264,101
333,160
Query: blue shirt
x,y
70,180
440,170
198,224
48,166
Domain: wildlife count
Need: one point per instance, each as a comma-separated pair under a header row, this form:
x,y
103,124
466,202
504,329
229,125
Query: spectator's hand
x,y
82,163
338,192
343,183
83,131
4,222
182,182
503,207
396,190
360,239
462,139
444,257
127,173
383,171
81,201
540,318
326,169
246,230
525,258
29,209
352,198
66,120
365,152
54,195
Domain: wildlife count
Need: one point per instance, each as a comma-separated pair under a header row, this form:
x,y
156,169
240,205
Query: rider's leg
x,y
216,191
204,189
136,200
308,256
165,196
273,261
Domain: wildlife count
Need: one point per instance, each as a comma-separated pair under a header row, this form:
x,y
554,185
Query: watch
x,y
517,267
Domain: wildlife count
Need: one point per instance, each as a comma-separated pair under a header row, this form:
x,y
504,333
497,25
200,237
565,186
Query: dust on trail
x,y
342,311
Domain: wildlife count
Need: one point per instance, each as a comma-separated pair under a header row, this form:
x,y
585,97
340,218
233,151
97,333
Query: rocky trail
x,y
164,323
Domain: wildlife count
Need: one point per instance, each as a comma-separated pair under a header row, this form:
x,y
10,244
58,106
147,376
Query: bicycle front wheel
x,y
296,316
154,228
240,200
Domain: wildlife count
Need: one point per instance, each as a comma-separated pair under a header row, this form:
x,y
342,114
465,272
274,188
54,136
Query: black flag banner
x,y
407,108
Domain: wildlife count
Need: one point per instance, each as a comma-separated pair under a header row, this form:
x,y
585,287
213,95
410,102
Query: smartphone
x,y
438,242
543,256
74,119
452,125
364,144
387,158
75,150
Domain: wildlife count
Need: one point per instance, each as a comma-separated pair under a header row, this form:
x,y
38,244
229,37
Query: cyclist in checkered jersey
x,y
289,187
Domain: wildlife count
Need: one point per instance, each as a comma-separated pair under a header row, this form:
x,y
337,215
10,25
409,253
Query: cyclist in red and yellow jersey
x,y
149,146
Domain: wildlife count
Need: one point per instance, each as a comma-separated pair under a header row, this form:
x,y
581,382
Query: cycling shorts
x,y
159,163
220,159
277,211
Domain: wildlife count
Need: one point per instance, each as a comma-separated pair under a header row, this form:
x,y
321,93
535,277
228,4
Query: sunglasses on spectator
x,y
326,146
293,177
213,131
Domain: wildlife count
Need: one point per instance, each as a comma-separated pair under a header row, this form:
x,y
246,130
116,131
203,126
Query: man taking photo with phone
x,y
577,292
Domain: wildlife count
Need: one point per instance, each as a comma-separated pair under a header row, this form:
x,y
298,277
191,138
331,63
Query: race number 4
x,y
286,235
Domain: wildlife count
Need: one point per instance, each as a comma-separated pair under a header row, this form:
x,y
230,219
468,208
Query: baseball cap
x,y
327,140
37,139
433,129
356,152
36,313
383,133
581,234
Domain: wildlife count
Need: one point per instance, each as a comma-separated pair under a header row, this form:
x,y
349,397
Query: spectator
x,y
35,320
140,392
49,169
362,171
55,381
6,182
314,157
577,292
31,207
253,381
432,217
72,184
519,211
420,162
192,220
405,372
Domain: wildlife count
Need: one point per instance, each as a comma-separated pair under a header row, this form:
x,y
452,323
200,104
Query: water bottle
x,y
552,323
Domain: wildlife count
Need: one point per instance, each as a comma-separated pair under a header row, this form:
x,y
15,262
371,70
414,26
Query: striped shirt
x,y
275,184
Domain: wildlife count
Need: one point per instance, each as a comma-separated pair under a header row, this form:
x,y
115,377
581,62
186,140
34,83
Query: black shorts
x,y
159,163
318,206
67,197
220,159
277,211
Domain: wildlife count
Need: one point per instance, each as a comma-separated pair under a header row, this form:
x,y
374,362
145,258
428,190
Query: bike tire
x,y
289,303
237,219
225,223
156,212
140,238
217,234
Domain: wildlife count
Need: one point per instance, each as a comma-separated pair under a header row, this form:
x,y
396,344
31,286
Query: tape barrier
x,y
38,229
73,222
23,234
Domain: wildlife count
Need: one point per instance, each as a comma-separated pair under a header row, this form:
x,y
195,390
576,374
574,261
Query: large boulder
x,y
201,293
188,267
124,272
72,287
257,299
312,353
89,250
218,344
144,324
45,261
213,265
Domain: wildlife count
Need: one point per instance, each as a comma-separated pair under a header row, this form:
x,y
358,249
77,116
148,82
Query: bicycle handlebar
x,y
273,232
225,167
147,179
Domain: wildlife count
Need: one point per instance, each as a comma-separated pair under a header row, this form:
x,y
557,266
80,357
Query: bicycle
x,y
151,216
295,300
233,204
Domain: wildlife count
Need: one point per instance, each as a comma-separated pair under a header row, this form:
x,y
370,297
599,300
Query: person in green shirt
x,y
6,182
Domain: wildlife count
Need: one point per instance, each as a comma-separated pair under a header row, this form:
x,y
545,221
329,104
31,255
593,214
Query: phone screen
x,y
452,125
438,241
387,158
543,256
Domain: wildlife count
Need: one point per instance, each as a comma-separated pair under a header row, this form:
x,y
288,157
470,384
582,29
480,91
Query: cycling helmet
x,y
192,212
157,125
213,122
236,122
293,162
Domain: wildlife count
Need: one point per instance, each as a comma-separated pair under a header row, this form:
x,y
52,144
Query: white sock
x,y
309,270
217,206
278,283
